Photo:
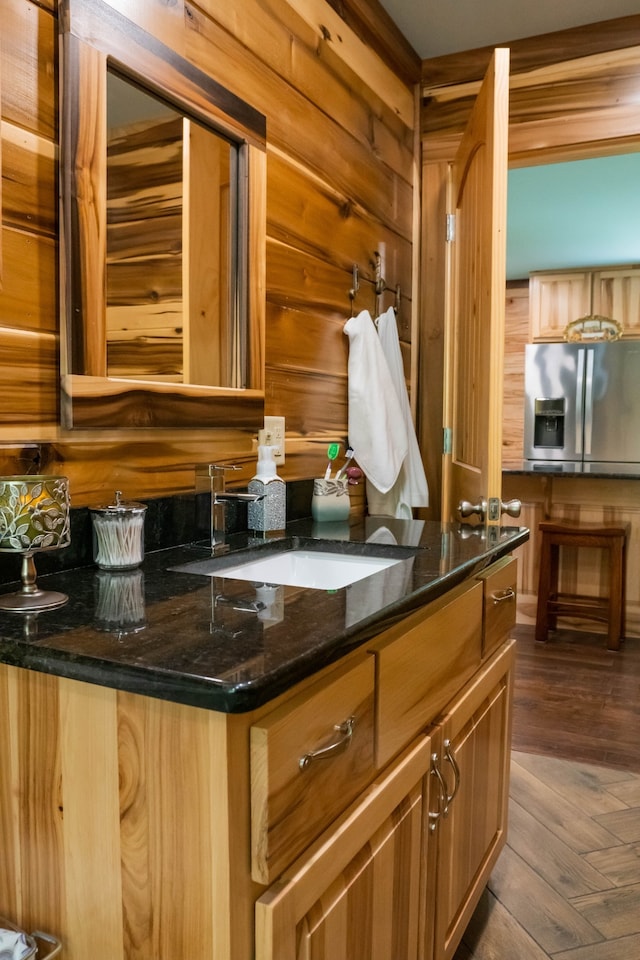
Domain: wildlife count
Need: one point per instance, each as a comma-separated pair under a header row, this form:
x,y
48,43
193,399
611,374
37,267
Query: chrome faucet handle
x,y
219,475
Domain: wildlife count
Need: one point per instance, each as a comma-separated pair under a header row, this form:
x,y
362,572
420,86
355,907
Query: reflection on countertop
x,y
231,645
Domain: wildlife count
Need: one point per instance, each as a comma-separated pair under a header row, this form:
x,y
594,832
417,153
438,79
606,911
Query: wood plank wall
x,y
342,173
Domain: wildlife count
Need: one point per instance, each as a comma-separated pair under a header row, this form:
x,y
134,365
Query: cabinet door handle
x,y
450,758
442,793
339,745
501,595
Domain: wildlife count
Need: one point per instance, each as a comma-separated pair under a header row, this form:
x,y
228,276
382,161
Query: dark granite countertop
x,y
232,645
566,468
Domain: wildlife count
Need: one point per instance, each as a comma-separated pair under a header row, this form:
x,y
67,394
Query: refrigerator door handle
x,y
588,404
579,394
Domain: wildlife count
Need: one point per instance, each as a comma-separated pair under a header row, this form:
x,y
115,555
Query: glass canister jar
x,y
118,534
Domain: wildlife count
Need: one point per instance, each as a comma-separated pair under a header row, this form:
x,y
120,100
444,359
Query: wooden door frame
x,y
544,125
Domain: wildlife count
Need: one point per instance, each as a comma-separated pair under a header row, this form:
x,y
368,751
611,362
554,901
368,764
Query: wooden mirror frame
x,y
93,37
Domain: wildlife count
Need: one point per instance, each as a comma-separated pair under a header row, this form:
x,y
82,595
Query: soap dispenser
x,y
268,514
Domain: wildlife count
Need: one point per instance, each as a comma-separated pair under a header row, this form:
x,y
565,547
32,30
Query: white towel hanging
x,y
376,424
410,489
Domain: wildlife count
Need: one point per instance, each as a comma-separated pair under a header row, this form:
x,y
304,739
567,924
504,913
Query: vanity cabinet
x,y
400,872
558,297
356,816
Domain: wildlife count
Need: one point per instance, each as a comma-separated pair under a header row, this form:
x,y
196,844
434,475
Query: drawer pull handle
x,y
338,746
501,595
442,793
450,758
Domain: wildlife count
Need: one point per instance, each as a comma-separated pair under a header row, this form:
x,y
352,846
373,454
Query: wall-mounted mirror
x,y
163,198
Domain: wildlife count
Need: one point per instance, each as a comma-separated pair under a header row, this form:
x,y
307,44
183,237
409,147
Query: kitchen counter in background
x,y
605,497
559,468
201,641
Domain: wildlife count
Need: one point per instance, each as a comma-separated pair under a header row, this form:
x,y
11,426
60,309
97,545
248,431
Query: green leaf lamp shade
x,y
34,516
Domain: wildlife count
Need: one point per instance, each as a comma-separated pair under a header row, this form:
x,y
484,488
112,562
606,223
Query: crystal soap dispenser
x,y
270,513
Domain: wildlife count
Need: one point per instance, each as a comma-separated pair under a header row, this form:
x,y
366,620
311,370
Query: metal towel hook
x,y
353,292
380,283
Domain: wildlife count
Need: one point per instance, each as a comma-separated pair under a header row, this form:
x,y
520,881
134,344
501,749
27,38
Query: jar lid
x,y
121,506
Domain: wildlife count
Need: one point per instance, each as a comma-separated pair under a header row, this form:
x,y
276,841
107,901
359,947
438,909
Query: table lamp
x,y
34,516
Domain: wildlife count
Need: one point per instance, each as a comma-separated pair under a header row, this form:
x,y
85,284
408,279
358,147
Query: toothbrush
x,y
344,466
332,453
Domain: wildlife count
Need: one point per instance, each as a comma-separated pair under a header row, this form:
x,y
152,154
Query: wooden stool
x,y
552,604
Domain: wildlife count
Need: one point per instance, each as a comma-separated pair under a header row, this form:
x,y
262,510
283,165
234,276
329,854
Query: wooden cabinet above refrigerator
x,y
558,297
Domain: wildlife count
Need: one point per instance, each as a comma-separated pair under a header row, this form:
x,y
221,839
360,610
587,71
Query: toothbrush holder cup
x,y
330,500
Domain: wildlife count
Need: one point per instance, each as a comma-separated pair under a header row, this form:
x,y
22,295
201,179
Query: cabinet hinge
x,y
451,227
447,439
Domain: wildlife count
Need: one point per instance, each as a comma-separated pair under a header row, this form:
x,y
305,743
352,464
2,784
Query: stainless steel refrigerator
x,y
582,408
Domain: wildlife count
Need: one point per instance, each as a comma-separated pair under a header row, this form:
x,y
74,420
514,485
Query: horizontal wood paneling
x,y
28,377
28,64
372,22
292,34
305,129
28,297
29,174
562,108
340,186
534,52
313,403
324,221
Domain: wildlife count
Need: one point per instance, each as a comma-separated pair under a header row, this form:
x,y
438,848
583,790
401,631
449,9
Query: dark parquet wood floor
x,y
567,885
577,700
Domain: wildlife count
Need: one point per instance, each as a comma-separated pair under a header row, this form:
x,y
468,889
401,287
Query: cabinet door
x,y
616,294
555,300
356,894
476,737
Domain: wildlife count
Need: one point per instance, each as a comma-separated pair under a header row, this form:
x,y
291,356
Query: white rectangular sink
x,y
301,568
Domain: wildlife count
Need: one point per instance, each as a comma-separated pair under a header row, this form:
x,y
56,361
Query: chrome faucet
x,y
220,496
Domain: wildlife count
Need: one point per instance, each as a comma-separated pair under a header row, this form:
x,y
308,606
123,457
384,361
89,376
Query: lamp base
x,y
23,602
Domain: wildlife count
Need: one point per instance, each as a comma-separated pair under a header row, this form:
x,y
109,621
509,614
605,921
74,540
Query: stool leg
x,y
616,595
544,586
554,582
623,622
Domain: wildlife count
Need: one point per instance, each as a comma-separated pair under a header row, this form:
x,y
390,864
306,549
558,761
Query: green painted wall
x,y
579,214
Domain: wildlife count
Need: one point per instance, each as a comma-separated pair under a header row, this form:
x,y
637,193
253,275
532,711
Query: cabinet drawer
x,y
291,803
421,666
500,593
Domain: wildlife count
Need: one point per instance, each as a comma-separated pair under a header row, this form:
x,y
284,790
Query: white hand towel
x,y
376,425
410,489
